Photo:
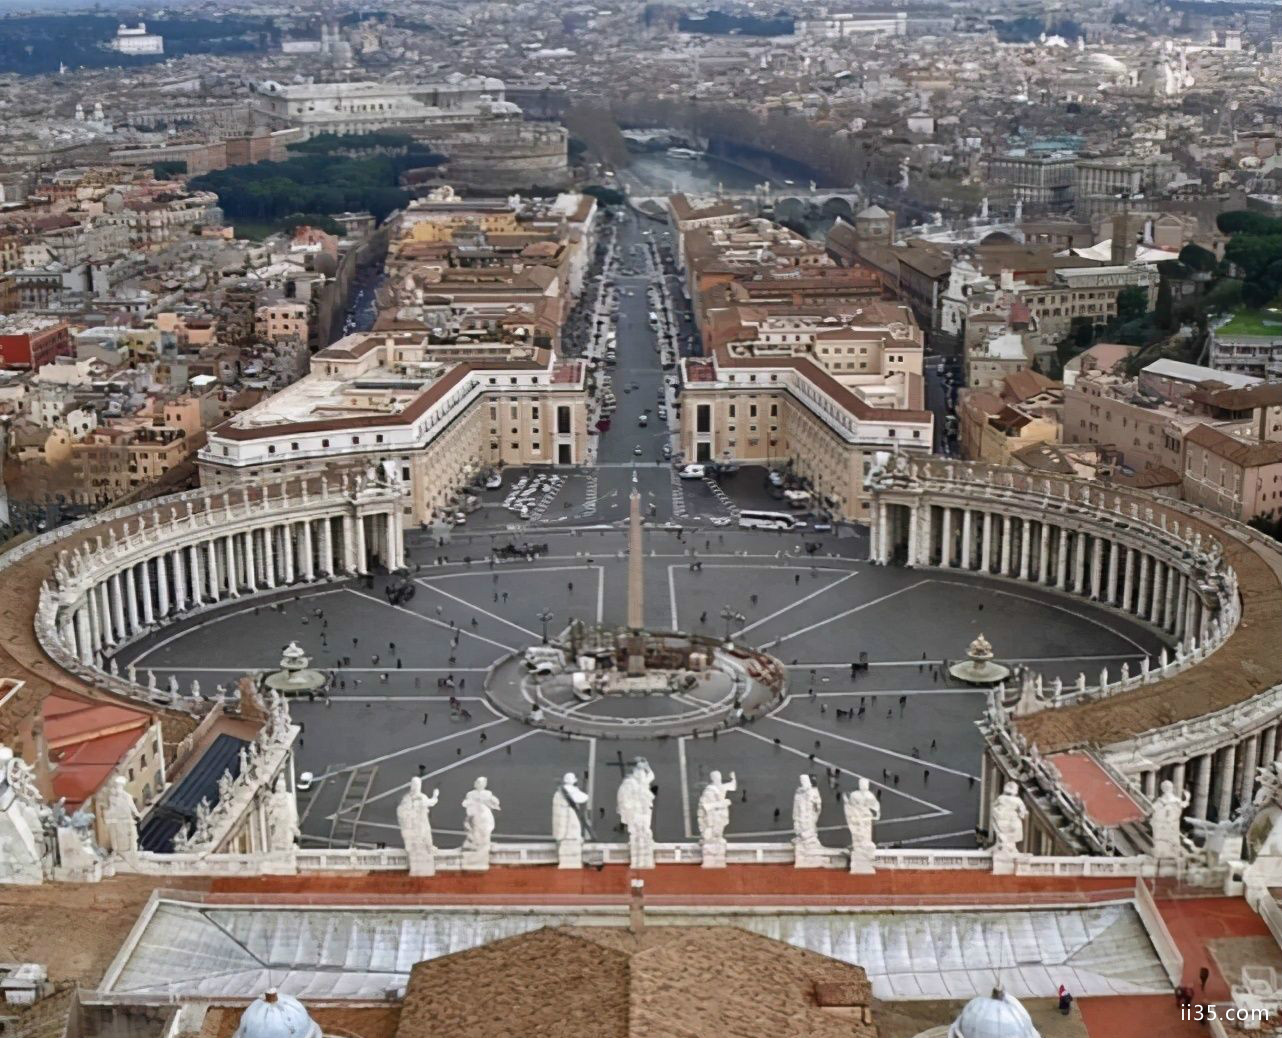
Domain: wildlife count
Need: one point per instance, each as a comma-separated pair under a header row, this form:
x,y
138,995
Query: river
x,y
658,173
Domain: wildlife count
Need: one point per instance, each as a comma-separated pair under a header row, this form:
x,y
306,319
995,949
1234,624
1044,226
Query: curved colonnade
x,y
1203,714
107,581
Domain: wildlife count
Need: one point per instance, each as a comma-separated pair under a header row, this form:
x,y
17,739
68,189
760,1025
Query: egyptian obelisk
x,y
636,590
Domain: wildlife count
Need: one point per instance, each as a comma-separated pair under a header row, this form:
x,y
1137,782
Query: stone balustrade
x,y
357,860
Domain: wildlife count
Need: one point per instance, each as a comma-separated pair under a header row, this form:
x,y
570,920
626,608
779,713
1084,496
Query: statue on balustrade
x,y
863,810
806,806
282,819
635,803
567,821
22,851
412,815
1168,811
714,818
1008,818
478,825
121,817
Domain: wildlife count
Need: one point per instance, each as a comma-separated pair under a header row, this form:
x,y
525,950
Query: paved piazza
x,y
389,718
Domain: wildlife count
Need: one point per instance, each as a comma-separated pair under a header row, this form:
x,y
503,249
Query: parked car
x,y
494,481
692,471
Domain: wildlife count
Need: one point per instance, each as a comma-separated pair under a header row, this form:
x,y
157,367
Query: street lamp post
x,y
730,616
546,616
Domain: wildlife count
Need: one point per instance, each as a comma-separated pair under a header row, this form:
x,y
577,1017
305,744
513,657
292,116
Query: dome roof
x,y
873,212
276,1016
998,1015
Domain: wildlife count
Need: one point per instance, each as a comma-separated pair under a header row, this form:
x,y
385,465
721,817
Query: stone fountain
x,y
296,676
978,668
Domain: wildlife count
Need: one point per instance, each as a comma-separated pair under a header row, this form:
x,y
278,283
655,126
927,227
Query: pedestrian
x,y
504,596
703,617
1203,975
425,717
753,598
895,778
484,737
925,776
932,744
1065,1001
796,578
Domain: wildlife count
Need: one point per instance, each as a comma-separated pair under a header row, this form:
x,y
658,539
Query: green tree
x,y
1132,304
1197,258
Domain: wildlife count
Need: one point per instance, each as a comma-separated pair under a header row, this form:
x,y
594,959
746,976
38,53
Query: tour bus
x,y
768,521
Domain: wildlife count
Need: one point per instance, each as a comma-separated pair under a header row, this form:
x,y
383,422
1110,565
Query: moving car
x,y
637,450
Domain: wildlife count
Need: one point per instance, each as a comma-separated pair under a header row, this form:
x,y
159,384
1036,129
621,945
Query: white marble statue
x,y
121,817
479,806
21,831
862,809
636,811
714,817
1168,810
806,805
282,820
1008,817
416,827
567,822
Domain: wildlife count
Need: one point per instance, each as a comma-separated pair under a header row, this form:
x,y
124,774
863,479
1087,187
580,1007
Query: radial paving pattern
x,y
899,722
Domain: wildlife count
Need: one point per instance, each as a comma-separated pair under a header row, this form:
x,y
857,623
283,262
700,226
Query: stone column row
x,y
132,600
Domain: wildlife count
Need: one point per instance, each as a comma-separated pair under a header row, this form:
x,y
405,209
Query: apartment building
x,y
786,410
1234,474
429,414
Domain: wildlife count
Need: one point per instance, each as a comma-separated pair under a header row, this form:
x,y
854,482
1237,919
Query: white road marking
x,y
843,615
424,582
792,605
824,732
432,620
409,749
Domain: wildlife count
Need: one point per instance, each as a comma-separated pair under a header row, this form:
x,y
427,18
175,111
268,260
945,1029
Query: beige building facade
x,y
428,422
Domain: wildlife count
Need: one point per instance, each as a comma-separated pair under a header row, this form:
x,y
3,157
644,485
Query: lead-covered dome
x,y
277,1016
998,1015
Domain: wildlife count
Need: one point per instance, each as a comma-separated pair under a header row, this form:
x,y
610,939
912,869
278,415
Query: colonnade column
x,y
162,585
144,590
180,580
211,569
233,575
393,554
287,551
986,554
968,536
1061,563
1097,567
327,547
361,566
1128,581
269,556
1250,751
251,576
1156,599
1025,547
131,597
197,578
1268,754
1044,556
84,636
946,539
1114,557
1141,600
309,565
1228,757
1202,791
116,595
1168,610
1079,564
1007,523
